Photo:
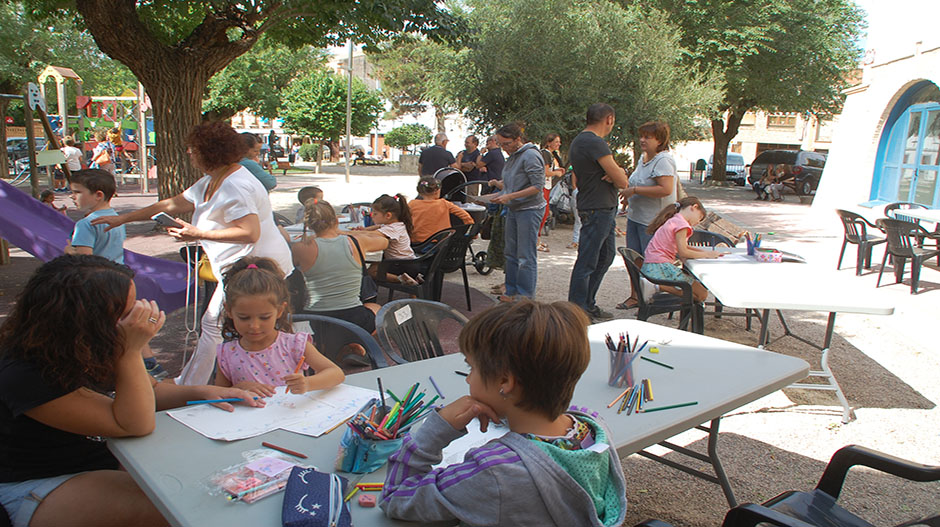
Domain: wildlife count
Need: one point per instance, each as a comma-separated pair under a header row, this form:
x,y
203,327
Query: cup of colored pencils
x,y
376,431
622,352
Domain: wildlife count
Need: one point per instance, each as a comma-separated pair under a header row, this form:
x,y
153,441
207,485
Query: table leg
x,y
826,373
764,338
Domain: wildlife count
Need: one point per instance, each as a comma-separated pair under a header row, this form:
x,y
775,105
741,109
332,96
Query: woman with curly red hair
x,y
232,218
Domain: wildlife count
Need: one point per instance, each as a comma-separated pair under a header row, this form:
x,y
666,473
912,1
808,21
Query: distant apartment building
x,y
761,131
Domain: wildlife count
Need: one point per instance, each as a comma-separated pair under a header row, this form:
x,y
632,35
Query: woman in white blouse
x,y
232,218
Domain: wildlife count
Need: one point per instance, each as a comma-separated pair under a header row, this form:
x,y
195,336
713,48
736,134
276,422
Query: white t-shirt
x,y
73,157
239,195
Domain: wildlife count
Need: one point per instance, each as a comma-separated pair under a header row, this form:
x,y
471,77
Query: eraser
x,y
654,350
366,500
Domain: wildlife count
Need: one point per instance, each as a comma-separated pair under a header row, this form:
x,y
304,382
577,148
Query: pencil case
x,y
768,255
361,455
315,499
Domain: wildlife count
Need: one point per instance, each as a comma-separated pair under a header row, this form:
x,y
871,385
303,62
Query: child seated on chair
x,y
554,467
303,195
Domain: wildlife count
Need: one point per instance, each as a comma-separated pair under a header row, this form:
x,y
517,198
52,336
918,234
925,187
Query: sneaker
x,y
155,370
597,313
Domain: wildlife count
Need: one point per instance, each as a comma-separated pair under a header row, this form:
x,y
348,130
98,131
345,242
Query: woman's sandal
x,y
542,247
498,289
505,299
572,245
629,303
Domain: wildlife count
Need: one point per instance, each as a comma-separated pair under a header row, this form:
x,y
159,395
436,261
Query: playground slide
x,y
37,229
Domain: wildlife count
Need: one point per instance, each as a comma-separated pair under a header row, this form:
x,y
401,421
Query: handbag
x,y
368,290
103,158
204,269
297,290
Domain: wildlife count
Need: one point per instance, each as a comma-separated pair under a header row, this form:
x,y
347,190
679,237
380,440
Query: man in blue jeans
x,y
599,179
523,178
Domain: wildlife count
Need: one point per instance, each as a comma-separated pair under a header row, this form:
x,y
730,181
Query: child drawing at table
x,y
671,229
260,351
392,219
554,466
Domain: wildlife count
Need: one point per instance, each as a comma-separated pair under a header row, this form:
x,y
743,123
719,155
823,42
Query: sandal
x,y
542,247
620,232
505,299
629,303
572,245
498,289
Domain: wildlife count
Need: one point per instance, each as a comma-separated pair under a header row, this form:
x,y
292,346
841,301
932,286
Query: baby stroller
x,y
481,221
450,178
559,201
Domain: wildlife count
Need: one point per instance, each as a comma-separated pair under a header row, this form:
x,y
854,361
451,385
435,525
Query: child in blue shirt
x,y
554,467
92,191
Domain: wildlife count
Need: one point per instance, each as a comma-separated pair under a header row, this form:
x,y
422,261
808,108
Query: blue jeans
x,y
595,254
521,232
637,239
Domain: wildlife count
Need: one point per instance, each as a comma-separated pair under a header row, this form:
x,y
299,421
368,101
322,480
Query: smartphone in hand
x,y
166,220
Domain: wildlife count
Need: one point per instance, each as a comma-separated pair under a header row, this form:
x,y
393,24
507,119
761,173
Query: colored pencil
x,y
285,450
210,401
300,364
436,387
670,407
351,494
612,403
462,373
381,391
663,364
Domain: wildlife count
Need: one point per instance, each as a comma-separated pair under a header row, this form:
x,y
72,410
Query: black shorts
x,y
412,267
359,315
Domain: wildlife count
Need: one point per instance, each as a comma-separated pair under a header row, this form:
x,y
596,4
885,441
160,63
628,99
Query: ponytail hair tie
x,y
251,266
678,206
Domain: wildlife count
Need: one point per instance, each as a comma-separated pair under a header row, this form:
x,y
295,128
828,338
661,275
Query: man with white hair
x,y
435,157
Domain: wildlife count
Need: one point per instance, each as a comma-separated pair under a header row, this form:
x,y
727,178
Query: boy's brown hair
x,y
544,346
95,179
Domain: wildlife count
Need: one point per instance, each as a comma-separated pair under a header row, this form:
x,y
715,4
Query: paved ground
x,y
887,365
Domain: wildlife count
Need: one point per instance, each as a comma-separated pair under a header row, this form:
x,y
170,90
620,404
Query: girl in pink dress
x,y
260,352
671,229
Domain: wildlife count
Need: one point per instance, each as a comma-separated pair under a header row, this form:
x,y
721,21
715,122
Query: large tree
x,y
413,72
175,46
543,62
255,79
315,105
772,55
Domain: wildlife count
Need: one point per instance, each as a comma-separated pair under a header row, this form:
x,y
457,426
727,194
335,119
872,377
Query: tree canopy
x,y
773,55
543,62
408,135
315,105
175,46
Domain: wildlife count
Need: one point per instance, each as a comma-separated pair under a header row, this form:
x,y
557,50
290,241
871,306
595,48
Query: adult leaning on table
x,y
232,218
650,188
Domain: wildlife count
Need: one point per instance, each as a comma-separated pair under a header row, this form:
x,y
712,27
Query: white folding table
x,y
931,215
746,283
171,463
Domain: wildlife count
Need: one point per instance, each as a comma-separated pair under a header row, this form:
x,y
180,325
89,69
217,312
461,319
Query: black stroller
x,y
481,220
560,202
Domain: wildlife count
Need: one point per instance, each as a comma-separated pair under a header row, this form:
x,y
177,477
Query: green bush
x,y
308,151
408,135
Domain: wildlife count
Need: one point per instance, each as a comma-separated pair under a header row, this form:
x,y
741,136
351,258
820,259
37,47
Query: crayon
x,y
282,449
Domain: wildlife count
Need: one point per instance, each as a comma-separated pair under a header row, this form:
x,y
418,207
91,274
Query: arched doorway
x,y
908,161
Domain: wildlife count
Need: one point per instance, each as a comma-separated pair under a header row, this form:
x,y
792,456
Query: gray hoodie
x,y
525,168
509,481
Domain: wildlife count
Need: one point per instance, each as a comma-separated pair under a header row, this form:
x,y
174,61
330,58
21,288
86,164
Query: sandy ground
x,y
780,442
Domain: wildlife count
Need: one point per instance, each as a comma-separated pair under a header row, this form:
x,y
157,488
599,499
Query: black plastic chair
x,y
896,210
331,335
281,220
856,232
688,308
701,238
455,258
432,253
899,234
818,508
408,329
346,208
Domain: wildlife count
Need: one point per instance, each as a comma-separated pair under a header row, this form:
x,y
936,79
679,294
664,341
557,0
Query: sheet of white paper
x,y
734,257
311,413
454,452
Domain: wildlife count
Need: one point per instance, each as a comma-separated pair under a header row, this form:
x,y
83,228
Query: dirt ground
x,y
886,365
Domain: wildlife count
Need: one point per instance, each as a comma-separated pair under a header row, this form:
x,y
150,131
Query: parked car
x,y
734,168
807,168
17,147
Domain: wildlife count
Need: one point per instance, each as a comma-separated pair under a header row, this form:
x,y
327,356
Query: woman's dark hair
x,y
657,130
249,139
217,143
318,215
398,206
549,138
512,131
671,210
65,321
255,276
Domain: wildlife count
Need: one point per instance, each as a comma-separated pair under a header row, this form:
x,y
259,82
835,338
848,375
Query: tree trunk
x,y
439,119
722,137
319,155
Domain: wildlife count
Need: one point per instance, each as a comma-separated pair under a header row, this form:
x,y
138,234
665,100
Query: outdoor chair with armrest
x,y
332,335
455,257
818,508
689,309
896,210
431,256
899,246
408,329
856,232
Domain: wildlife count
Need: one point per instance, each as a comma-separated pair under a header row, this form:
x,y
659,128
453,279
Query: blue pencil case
x,y
361,455
315,499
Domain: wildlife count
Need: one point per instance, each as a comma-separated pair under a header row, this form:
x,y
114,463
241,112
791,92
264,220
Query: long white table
x,y
931,215
170,464
789,286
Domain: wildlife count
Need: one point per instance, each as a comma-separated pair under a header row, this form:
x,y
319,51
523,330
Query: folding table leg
x,y
826,373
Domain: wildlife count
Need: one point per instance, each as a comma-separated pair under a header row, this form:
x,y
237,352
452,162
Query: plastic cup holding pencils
x,y
621,369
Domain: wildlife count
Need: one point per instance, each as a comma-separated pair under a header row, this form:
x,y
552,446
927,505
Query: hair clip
x,y
251,266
